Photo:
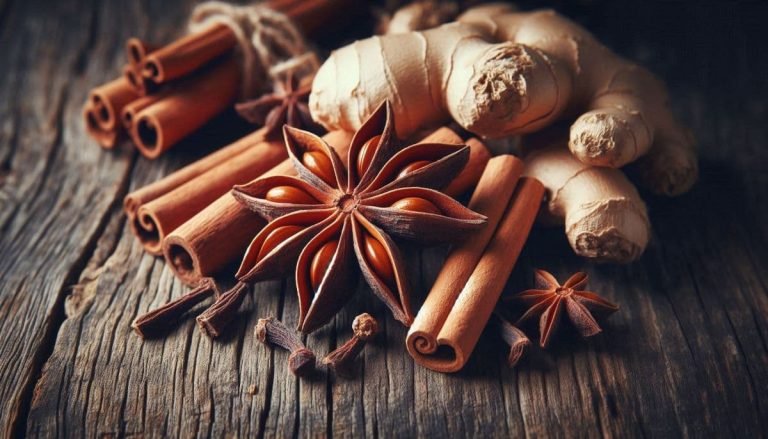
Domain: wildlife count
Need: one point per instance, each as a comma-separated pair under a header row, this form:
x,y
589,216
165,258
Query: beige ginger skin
x,y
500,73
605,219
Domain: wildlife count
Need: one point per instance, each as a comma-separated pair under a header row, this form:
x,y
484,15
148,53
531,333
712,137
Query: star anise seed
x,y
333,215
549,298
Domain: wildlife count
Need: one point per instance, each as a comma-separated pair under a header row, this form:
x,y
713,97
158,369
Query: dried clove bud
x,y
364,327
517,341
158,321
272,331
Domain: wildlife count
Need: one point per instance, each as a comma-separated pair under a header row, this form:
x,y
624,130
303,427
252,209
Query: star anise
x,y
287,104
549,298
334,215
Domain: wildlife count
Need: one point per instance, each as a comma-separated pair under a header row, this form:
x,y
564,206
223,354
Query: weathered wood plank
x,y
50,215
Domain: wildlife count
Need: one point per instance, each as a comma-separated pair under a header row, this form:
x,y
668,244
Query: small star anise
x,y
334,215
549,298
287,104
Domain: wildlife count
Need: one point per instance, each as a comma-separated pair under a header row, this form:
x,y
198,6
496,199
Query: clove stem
x,y
158,321
214,319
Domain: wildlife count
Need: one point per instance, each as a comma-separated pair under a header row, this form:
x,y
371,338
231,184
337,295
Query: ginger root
x,y
500,73
605,218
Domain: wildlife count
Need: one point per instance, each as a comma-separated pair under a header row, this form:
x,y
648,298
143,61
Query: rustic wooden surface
x,y
686,355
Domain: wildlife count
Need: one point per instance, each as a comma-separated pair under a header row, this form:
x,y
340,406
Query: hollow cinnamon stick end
x,y
148,136
182,259
106,139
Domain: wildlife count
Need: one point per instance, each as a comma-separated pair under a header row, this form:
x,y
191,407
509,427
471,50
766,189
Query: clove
x,y
214,319
157,322
301,361
517,341
340,361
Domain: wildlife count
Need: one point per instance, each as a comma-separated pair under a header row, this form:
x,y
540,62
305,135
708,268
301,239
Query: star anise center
x,y
564,291
348,202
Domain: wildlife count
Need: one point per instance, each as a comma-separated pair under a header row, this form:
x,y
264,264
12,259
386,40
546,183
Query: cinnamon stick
x,y
221,232
185,109
107,139
461,301
108,100
164,214
189,53
144,195
128,115
136,51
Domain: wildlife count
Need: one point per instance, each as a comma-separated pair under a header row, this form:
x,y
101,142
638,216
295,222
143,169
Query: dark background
x,y
685,356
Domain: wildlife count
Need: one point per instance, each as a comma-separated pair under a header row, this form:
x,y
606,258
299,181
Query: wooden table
x,y
686,355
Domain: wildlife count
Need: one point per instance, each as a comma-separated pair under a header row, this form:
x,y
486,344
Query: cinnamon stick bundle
x,y
461,301
184,110
164,94
221,232
155,218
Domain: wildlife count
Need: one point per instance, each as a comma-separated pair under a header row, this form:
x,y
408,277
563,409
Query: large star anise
x,y
549,298
287,104
334,215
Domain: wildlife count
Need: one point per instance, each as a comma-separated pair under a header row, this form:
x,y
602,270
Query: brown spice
x,y
340,361
515,338
301,361
354,212
549,298
287,104
158,321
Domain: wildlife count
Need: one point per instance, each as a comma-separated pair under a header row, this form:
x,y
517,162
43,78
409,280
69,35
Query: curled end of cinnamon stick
x,y
148,231
183,262
148,136
107,139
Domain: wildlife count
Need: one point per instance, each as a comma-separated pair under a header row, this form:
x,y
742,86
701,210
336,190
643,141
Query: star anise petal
x,y
376,153
300,143
395,293
595,303
577,281
273,251
256,111
442,218
430,165
581,318
536,310
333,276
276,118
545,281
274,196
550,320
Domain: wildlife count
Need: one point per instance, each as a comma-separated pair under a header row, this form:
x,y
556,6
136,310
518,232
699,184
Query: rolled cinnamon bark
x,y
164,214
189,53
221,232
157,127
107,139
128,115
108,101
137,50
448,325
144,195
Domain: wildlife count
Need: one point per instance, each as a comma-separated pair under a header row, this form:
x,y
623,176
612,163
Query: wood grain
x,y
685,356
